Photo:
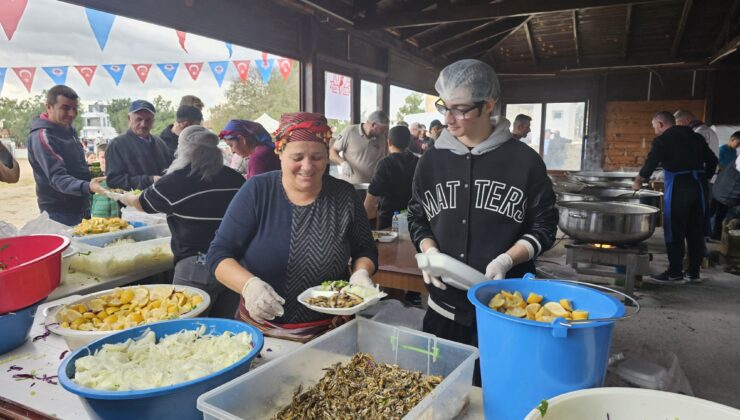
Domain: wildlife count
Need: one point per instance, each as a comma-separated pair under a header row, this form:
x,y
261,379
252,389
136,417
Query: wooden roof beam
x,y
681,27
485,12
530,42
726,50
575,37
493,47
495,29
627,31
725,31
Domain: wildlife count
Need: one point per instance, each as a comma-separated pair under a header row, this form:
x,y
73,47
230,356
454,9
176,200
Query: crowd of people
x,y
257,229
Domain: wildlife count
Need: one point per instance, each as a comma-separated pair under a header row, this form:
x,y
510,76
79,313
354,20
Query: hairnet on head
x,y
467,81
197,135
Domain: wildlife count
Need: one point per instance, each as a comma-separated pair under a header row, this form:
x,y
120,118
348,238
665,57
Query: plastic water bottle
x,y
403,226
394,222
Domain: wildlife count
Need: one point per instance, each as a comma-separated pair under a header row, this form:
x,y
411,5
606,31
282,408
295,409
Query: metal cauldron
x,y
603,179
612,222
648,197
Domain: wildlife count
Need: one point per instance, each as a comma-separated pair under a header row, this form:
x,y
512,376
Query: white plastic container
x,y
263,392
75,339
632,404
130,214
150,251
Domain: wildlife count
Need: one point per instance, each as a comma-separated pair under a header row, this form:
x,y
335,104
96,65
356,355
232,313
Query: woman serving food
x,y
288,231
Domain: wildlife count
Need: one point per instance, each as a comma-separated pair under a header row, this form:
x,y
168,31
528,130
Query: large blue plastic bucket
x,y
524,362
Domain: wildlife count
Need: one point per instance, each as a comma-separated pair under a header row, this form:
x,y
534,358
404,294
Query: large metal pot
x,y
649,197
607,222
603,179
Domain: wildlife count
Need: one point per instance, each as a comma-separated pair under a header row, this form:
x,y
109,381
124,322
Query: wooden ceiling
x,y
549,36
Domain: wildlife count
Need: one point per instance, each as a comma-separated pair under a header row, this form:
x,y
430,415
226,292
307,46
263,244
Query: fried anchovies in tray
x,y
361,389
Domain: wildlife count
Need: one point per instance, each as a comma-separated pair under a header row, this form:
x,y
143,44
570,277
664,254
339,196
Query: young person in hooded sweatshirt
x,y
479,196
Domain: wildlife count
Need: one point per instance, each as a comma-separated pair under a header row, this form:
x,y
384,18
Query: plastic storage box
x,y
151,250
262,393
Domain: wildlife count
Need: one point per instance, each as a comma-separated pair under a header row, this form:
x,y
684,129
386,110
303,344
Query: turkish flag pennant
x,y
242,66
11,12
181,39
87,72
194,69
285,65
26,75
142,70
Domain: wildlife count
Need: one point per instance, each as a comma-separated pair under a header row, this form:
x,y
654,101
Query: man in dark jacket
x,y
391,183
63,184
688,163
185,116
137,159
479,196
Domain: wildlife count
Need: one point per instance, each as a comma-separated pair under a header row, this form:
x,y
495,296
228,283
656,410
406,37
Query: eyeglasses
x,y
458,114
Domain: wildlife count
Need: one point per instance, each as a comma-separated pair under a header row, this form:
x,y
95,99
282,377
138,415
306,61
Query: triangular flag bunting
x,y
169,70
230,47
142,71
218,68
87,72
265,68
58,74
194,69
115,71
285,66
26,75
101,24
3,70
181,39
242,66
11,12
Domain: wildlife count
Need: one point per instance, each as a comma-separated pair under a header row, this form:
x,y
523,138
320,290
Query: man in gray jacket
x,y
63,184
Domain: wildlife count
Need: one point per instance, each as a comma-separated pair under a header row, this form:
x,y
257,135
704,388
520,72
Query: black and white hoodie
x,y
476,203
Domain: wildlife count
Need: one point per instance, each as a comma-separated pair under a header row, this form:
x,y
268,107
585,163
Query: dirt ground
x,y
18,201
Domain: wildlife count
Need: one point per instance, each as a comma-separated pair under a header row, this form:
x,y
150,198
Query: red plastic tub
x,y
30,269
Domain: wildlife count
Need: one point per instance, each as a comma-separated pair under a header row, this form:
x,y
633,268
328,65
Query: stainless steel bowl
x,y
590,176
648,197
607,222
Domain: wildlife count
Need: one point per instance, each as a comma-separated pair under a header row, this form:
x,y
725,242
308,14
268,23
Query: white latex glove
x,y
345,170
261,300
428,277
361,278
497,269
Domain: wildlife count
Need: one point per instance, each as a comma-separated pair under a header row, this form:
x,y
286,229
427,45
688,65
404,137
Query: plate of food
x,y
338,297
384,235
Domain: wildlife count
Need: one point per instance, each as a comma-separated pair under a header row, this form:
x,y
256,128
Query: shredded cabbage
x,y
362,291
145,363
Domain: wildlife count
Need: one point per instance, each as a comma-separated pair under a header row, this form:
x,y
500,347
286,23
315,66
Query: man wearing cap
x,y
63,184
479,196
185,116
137,159
359,148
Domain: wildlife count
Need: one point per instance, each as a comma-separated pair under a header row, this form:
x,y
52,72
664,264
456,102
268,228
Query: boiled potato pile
x,y
533,309
99,225
128,307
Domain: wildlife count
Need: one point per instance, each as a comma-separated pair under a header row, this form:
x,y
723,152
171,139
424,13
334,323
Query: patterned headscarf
x,y
247,129
301,126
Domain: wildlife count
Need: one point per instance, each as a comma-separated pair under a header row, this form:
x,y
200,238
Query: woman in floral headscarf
x,y
249,140
290,230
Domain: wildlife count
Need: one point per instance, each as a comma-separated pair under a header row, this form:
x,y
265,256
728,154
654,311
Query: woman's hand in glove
x,y
362,278
261,300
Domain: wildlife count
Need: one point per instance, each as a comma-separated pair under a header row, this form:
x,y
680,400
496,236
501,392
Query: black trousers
x,y
687,223
719,211
442,327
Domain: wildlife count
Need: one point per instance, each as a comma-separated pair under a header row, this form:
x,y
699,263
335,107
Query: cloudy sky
x,y
52,33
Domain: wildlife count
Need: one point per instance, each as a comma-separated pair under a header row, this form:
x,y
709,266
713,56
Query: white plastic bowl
x,y
631,404
75,339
